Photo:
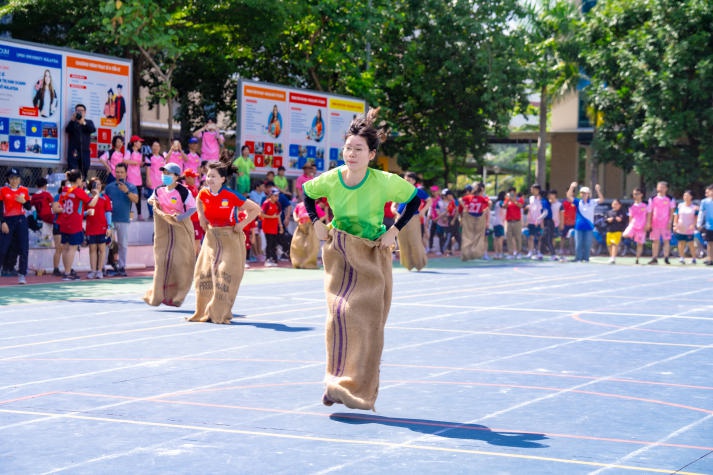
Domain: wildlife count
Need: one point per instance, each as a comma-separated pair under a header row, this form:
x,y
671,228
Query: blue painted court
x,y
493,368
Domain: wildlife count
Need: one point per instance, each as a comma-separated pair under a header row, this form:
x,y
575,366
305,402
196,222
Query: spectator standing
x,y
556,206
272,226
14,200
211,140
258,193
42,202
153,174
499,225
684,225
616,224
244,165
636,229
307,175
568,216
281,181
659,221
73,202
133,161
111,158
79,133
547,220
705,223
513,219
584,224
122,195
192,159
57,234
176,155
98,229
534,220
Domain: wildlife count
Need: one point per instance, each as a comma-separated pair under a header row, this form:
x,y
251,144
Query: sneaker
x,y
637,261
554,258
121,272
247,266
73,272
70,277
529,254
56,272
708,263
21,279
612,261
269,263
654,261
693,261
90,275
665,259
682,260
99,275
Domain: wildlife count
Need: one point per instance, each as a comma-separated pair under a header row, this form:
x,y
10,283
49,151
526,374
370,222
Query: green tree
x,y
449,76
553,47
651,66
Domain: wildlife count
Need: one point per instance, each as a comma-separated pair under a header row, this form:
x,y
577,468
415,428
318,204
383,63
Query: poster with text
x,y
291,127
30,103
39,88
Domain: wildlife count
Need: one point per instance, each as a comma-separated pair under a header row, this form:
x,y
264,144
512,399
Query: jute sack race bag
x,y
219,270
174,259
305,247
358,284
412,254
472,237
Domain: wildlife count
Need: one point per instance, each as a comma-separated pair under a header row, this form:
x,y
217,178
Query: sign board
x,y
290,127
39,87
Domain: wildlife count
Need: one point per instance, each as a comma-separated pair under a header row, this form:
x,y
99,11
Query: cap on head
x,y
12,172
171,168
274,191
193,140
189,172
585,189
435,188
136,138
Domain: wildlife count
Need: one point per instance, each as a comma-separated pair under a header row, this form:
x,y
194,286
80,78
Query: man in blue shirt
x,y
705,223
122,194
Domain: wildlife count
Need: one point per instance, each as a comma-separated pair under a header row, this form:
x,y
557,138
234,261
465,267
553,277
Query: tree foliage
x,y
651,67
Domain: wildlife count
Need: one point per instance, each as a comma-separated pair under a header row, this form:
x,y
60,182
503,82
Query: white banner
x,y
39,87
291,127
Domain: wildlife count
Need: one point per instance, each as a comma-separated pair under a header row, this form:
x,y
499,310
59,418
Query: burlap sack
x,y
358,285
219,270
473,242
412,254
174,260
304,247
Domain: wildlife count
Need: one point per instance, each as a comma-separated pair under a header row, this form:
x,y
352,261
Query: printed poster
x,y
292,127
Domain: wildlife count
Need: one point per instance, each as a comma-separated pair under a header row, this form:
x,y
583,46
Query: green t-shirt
x,y
280,182
359,210
244,165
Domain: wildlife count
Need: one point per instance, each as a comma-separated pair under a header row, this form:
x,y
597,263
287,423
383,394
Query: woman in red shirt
x,y
14,200
221,261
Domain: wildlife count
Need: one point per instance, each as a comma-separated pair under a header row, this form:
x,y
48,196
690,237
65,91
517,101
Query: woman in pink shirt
x,y
111,158
153,174
684,225
176,155
192,158
133,160
211,140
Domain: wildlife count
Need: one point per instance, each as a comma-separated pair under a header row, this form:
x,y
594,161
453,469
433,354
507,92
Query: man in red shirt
x,y
513,216
14,200
568,215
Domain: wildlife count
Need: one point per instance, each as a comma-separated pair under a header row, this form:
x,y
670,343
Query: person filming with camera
x,y
79,131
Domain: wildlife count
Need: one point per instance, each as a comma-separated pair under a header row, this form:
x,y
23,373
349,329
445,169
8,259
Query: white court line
x,y
646,448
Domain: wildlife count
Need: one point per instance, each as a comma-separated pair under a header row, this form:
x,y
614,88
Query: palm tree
x,y
553,46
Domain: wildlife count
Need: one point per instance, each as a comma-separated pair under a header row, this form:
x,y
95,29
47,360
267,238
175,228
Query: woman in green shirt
x,y
357,262
244,164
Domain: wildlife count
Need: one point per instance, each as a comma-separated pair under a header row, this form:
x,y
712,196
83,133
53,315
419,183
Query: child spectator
x,y
513,218
42,201
705,223
660,218
548,229
193,159
175,155
14,200
568,216
616,224
190,178
281,181
271,226
534,220
636,229
98,228
684,225
499,225
245,165
557,221
57,234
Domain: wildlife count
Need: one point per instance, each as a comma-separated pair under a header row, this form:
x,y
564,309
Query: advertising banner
x,y
39,88
290,127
